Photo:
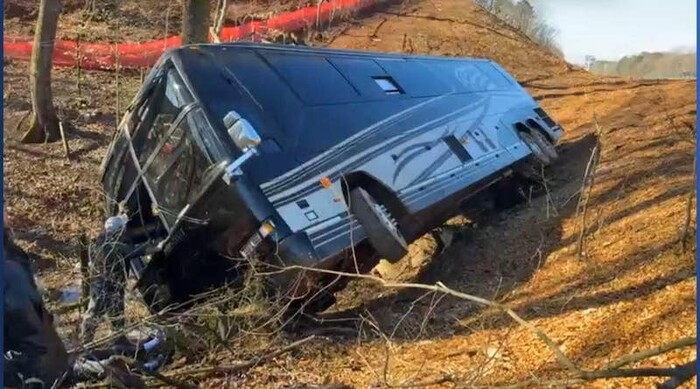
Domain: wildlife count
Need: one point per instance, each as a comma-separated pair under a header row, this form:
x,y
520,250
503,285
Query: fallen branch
x,y
154,374
681,343
447,378
228,369
565,383
679,375
625,373
376,29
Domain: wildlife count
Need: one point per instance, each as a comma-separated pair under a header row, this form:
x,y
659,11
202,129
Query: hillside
x,y
633,289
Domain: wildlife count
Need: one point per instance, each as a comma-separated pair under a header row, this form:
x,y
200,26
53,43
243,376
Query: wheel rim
x,y
548,147
386,218
534,147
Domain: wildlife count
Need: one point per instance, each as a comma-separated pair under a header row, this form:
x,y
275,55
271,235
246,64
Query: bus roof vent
x,y
388,85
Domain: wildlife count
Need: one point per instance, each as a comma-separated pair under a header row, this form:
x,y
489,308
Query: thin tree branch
x,y
623,373
160,377
228,369
638,356
679,375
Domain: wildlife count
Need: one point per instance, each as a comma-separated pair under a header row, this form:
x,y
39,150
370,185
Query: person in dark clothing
x,y
14,253
34,354
24,344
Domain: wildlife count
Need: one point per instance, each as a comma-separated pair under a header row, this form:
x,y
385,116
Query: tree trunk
x,y
44,123
195,26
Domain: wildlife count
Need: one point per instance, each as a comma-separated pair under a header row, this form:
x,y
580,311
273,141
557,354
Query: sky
x,y
611,29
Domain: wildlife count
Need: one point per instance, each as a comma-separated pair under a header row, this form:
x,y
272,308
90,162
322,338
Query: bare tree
x,y
44,124
100,10
545,35
524,16
195,26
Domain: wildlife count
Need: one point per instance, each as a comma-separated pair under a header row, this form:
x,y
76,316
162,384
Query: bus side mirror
x,y
241,131
246,139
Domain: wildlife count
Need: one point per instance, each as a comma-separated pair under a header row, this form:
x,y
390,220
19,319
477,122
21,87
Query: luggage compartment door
x,y
473,144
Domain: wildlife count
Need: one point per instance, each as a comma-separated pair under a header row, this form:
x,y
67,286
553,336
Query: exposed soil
x,y
632,289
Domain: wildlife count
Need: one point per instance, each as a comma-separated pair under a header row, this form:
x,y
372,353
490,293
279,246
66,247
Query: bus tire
x,y
382,230
544,143
534,145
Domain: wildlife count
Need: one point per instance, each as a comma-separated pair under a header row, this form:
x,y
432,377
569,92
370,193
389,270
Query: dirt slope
x,y
450,28
633,289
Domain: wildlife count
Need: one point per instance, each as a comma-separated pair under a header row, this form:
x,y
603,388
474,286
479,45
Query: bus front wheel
x,y
382,230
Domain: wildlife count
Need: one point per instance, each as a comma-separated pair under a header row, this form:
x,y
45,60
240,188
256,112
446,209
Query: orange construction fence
x,y
145,54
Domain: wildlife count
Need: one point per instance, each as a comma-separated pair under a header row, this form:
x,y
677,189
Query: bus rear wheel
x,y
544,143
538,150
